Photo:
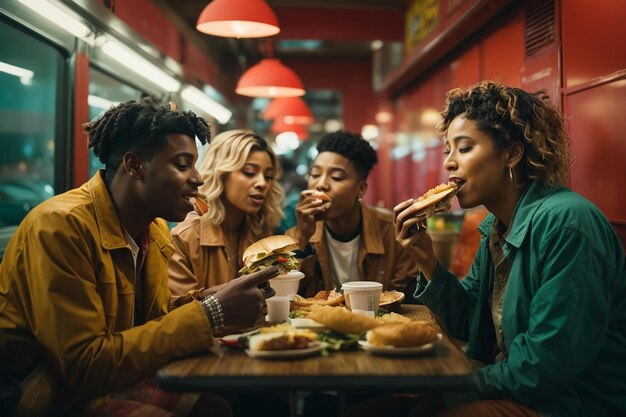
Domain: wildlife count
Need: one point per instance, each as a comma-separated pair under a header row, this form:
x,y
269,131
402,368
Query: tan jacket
x,y
200,259
66,298
380,257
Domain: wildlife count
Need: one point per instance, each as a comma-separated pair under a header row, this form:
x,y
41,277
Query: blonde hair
x,y
511,115
228,152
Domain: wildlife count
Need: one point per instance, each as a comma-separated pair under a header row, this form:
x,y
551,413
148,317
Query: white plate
x,y
285,354
307,324
232,340
399,351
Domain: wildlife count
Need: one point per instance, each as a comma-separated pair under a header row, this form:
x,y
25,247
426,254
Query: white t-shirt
x,y
343,259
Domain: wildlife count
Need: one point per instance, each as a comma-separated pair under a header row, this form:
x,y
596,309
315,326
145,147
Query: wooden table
x,y
446,367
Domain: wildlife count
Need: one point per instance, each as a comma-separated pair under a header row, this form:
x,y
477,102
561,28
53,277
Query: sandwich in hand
x,y
272,250
415,333
327,201
319,194
200,204
435,200
289,339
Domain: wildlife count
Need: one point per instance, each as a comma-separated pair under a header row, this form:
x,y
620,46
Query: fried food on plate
x,y
322,298
391,300
341,320
415,333
393,318
290,339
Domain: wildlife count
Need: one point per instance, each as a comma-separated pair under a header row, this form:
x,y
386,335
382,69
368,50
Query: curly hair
x,y
142,127
353,147
229,152
510,115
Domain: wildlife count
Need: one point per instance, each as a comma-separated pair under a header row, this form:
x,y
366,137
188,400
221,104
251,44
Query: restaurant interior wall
x,y
353,80
594,98
418,151
587,81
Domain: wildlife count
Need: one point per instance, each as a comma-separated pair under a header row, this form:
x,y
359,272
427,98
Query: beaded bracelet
x,y
214,312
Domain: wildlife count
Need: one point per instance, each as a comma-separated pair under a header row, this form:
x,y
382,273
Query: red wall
x,y
352,78
498,56
594,98
584,72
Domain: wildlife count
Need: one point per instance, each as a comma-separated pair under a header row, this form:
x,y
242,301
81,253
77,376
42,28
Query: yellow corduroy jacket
x,y
66,300
200,259
380,257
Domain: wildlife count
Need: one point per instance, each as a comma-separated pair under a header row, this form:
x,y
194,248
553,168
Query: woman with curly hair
x,y
544,304
242,205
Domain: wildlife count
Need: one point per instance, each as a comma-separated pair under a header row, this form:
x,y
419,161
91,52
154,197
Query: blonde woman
x,y
243,204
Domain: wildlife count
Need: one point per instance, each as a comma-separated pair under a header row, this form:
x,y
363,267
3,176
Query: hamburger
x,y
435,200
319,194
327,201
415,333
272,250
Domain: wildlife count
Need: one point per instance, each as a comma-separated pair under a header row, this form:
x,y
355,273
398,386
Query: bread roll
x,y
341,319
415,333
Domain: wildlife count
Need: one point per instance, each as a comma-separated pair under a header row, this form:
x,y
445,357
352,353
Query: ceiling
x,y
338,28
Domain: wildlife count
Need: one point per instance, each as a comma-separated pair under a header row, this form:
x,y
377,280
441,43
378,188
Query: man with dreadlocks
x,y
83,284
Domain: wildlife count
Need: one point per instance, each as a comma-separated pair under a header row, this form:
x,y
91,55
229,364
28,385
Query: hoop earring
x,y
511,176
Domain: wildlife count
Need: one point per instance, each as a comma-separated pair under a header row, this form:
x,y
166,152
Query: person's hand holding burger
x,y
312,206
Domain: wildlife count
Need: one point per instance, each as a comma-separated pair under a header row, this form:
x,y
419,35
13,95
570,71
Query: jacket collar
x,y
211,234
111,231
370,235
530,201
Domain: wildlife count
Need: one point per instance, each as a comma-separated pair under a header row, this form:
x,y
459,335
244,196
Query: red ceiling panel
x,y
340,23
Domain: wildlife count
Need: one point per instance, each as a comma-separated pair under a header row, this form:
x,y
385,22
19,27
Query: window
x,y
105,91
31,73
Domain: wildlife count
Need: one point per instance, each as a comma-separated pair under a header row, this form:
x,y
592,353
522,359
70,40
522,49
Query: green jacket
x,y
564,308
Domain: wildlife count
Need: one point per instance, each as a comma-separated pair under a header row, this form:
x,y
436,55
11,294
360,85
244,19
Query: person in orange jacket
x,y
243,199
349,240
84,302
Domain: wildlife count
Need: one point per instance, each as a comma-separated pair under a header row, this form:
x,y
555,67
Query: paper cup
x,y
277,309
286,284
362,295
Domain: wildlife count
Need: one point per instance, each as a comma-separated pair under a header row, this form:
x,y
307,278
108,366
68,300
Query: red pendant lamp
x,y
238,19
291,110
270,79
279,127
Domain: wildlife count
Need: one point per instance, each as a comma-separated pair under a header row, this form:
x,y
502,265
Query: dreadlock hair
x,y
510,115
141,127
353,147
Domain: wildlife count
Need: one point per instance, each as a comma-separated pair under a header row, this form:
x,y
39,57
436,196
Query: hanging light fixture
x,y
238,19
291,110
270,78
280,127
